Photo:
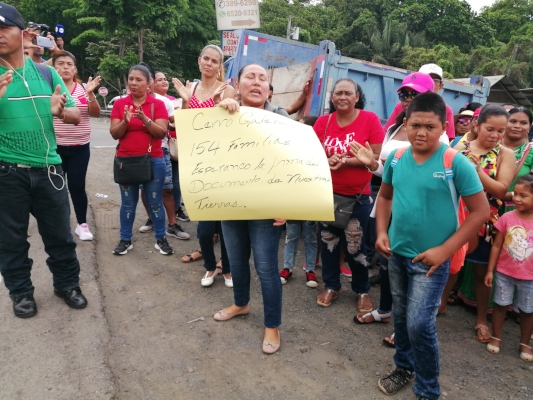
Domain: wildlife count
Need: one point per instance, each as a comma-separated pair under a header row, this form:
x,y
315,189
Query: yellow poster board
x,y
254,164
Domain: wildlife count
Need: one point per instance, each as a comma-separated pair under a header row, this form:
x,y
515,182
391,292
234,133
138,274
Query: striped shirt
x,y
75,135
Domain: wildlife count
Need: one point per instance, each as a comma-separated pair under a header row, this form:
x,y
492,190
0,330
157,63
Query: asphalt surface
x,y
136,339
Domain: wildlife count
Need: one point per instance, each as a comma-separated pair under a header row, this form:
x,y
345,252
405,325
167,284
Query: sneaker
x,y
147,227
176,231
311,279
122,247
374,280
180,214
163,247
395,380
284,275
82,230
347,272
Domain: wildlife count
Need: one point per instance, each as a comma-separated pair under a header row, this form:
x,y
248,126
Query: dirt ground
x,y
136,341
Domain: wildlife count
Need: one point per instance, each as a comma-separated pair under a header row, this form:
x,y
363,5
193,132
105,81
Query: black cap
x,y
10,16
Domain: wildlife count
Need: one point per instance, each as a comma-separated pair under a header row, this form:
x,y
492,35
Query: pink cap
x,y
419,82
476,113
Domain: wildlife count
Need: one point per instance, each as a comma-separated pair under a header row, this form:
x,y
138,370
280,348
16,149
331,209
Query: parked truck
x,y
291,63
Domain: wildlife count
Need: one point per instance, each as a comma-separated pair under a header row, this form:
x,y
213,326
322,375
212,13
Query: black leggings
x,y
75,160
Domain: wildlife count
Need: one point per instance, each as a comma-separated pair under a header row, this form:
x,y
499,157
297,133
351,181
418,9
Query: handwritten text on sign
x,y
253,164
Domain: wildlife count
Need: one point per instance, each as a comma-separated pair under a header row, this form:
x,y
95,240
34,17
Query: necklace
x,y
209,89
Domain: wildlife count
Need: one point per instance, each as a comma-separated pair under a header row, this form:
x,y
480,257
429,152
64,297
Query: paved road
x,y
134,341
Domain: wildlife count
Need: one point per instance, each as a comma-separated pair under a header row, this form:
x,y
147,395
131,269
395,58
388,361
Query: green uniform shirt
x,y
26,123
423,215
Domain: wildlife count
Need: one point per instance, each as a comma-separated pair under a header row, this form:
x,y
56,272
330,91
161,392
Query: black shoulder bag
x,y
134,170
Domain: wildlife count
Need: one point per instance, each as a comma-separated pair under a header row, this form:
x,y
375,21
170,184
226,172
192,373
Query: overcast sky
x,y
477,4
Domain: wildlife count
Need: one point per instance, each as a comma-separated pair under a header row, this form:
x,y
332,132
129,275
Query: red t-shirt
x,y
450,131
136,140
366,128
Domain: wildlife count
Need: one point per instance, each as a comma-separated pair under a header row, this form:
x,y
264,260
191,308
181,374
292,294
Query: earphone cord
x,y
50,168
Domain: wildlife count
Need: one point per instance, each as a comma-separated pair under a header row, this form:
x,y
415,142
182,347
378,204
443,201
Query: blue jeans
x,y
351,240
263,238
308,230
75,160
29,190
176,190
385,298
154,192
206,230
416,300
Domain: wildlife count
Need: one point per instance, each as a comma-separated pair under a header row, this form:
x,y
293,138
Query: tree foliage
x,y
108,36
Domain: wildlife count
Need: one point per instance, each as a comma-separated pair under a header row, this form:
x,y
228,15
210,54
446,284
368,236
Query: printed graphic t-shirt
x,y
516,258
423,215
366,128
22,138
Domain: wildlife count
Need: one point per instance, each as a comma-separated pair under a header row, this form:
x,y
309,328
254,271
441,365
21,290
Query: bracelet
x,y
90,101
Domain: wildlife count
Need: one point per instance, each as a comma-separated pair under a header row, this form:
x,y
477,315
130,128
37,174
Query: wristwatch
x,y
149,122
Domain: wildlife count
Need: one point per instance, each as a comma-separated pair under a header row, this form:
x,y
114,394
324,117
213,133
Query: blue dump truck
x,y
291,63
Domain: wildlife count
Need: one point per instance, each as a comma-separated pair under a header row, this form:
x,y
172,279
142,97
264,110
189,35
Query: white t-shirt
x,y
170,110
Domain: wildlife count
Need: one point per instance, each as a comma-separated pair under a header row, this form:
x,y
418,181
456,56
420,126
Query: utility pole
x,y
513,58
289,27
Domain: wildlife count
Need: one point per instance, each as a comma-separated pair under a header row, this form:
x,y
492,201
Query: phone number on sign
x,y
243,13
234,3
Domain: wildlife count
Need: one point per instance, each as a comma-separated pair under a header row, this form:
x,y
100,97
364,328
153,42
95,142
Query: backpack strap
x,y
448,157
397,155
46,73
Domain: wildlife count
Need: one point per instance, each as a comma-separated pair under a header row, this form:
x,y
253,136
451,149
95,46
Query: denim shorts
x,y
481,254
504,290
168,170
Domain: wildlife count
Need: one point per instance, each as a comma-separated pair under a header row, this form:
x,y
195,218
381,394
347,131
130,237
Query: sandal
x,y
389,341
453,299
373,316
484,331
194,256
494,349
527,357
364,304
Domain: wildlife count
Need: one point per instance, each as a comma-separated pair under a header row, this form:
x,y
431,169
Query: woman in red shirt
x,y
139,122
348,123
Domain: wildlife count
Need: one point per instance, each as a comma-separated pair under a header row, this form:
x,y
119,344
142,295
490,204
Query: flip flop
x,y
194,256
389,341
376,317
484,331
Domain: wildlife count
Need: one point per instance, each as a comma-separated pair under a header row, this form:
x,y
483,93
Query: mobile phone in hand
x,y
44,42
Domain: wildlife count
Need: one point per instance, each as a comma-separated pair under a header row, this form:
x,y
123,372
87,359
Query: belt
x,y
24,166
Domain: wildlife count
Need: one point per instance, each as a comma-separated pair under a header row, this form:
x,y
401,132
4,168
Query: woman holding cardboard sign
x,y
261,236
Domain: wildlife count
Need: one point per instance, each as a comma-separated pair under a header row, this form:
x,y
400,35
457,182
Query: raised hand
x,y
128,114
57,102
139,113
183,90
363,154
5,79
219,90
92,84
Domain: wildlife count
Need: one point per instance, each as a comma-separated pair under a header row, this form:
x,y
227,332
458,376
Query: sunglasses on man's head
x,y
405,95
464,120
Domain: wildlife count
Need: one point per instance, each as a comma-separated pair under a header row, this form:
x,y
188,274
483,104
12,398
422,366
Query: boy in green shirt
x,y
417,195
31,178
